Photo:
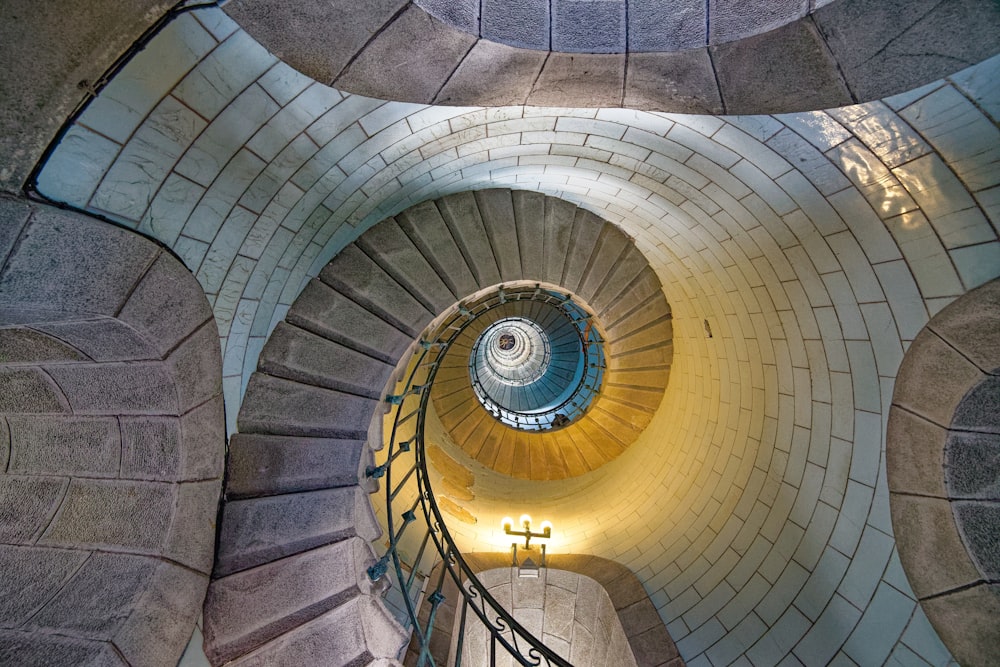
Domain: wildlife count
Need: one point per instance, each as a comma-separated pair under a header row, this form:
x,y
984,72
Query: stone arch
x,y
112,440
943,465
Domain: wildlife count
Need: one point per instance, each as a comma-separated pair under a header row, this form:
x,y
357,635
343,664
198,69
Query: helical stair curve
x,y
296,525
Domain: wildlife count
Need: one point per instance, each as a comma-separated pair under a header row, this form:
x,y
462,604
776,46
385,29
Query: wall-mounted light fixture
x,y
529,568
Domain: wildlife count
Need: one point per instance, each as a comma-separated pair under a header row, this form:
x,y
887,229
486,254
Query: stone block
x,y
587,229
56,445
520,23
282,407
357,276
586,80
98,598
642,291
559,217
787,69
979,524
625,590
126,388
27,346
511,72
357,632
966,622
151,448
302,356
103,339
160,625
680,81
14,216
330,314
972,465
914,454
34,649
71,263
969,325
247,609
654,25
732,20
167,304
409,60
461,213
388,245
588,26
204,451
978,410
429,232
261,465
496,209
4,444
462,14
930,549
608,254
559,612
260,530
27,505
191,540
31,577
529,214
29,390
933,379
131,515
197,367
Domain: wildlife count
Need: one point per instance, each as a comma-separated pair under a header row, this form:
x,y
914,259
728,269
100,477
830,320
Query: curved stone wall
x,y
112,440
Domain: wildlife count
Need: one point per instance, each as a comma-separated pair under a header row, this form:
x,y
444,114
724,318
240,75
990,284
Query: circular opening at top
x,y
515,352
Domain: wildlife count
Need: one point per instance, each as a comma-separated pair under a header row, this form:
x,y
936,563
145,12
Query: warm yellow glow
x,y
546,525
525,519
507,523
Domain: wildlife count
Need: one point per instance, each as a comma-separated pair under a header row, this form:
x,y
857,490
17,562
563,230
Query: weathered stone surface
x,y
461,213
4,443
88,446
787,69
282,407
979,523
151,448
970,325
597,26
520,23
529,215
27,505
103,339
606,255
558,232
167,304
29,390
32,576
260,530
250,608
972,465
99,597
69,262
196,367
133,515
732,19
34,649
587,228
354,274
510,70
591,80
108,389
160,624
497,212
416,73
25,346
657,26
13,217
640,292
978,409
463,14
966,622
204,451
915,462
933,379
302,356
326,312
262,465
429,232
191,540
682,80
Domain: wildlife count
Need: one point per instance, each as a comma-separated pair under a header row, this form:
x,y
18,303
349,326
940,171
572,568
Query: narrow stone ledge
x,y
262,465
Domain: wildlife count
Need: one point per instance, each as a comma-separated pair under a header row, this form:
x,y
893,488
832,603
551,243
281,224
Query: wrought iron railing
x,y
414,521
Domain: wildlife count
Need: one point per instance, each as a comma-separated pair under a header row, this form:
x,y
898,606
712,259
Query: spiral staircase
x,y
297,527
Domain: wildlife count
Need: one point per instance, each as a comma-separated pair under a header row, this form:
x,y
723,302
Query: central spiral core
x,y
516,351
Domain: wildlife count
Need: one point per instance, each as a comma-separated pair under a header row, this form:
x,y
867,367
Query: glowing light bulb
x,y
546,525
507,523
525,519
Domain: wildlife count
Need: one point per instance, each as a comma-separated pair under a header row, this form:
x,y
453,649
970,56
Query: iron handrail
x,y
503,631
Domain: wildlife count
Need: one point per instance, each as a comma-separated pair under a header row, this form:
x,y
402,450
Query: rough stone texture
x,y
788,69
587,229
167,304
204,451
88,446
588,26
415,73
978,409
49,270
461,213
28,649
429,232
520,23
977,522
529,215
511,71
14,215
261,530
99,597
682,80
4,443
196,367
103,339
160,624
914,464
282,407
26,346
972,465
305,35
27,505
262,465
463,14
889,47
151,448
969,325
496,209
654,25
328,313
933,379
589,80
31,577
29,390
733,19
250,608
966,621
105,514
108,389
191,540
559,217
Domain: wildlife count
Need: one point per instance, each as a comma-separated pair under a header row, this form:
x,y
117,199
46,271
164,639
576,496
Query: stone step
x,y
529,213
429,232
496,209
608,253
260,530
587,229
639,294
558,234
277,406
461,213
621,281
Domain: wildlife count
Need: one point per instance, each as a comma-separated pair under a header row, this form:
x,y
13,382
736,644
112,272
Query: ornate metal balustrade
x,y
414,521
